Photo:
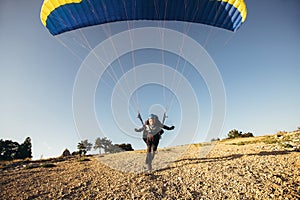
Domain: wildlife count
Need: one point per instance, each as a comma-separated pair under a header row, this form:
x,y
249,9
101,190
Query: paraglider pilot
x,y
152,131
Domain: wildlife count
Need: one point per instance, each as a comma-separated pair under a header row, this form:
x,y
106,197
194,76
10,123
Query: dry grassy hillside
x,y
265,167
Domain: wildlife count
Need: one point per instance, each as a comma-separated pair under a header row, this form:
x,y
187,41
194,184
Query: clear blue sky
x,y
259,66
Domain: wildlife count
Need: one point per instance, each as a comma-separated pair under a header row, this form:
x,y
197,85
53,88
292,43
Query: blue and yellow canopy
x,y
60,16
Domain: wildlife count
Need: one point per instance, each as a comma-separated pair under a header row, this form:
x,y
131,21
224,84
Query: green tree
x,y
99,144
24,149
8,149
107,145
234,134
84,146
81,148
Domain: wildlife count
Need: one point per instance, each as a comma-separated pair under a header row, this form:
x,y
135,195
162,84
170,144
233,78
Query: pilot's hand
x,y
136,130
172,127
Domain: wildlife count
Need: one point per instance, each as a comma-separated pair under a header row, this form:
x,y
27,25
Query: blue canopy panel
x,y
66,16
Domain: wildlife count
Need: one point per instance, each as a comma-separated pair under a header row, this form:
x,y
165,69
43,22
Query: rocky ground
x,y
251,168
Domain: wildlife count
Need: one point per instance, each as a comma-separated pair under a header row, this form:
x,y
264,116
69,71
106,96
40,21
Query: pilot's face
x,y
151,122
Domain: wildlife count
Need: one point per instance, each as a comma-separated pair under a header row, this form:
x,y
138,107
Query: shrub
x,y
213,139
236,134
75,153
247,135
66,153
125,147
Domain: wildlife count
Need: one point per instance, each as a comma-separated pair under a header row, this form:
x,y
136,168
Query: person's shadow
x,y
192,161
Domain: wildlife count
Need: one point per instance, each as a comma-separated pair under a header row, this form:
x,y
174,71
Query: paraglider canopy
x,y
60,16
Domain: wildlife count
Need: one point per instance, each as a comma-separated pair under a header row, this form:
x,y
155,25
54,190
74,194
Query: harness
x,y
151,132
